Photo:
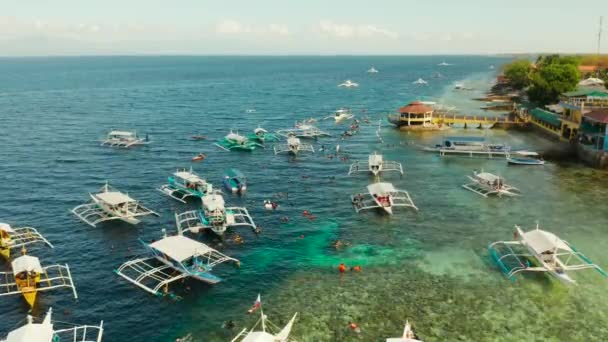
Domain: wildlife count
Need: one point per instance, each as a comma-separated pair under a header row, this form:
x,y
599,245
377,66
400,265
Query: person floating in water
x,y
354,327
342,268
356,268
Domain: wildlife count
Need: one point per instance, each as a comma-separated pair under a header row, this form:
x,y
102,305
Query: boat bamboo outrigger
x,y
172,258
28,277
110,204
375,165
487,184
214,216
262,135
125,139
235,141
408,335
382,196
471,146
303,130
45,331
11,238
539,251
235,181
293,146
185,184
269,332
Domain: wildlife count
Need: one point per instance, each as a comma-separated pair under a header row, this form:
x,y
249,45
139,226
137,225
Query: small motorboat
x,y
525,158
199,157
235,181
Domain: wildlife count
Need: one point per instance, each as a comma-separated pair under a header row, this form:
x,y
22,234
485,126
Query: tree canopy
x,y
552,79
518,73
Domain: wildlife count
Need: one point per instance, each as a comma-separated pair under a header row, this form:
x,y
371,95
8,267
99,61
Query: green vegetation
x,y
518,73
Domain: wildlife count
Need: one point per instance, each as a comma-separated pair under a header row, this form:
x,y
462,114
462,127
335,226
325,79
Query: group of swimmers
x,y
342,268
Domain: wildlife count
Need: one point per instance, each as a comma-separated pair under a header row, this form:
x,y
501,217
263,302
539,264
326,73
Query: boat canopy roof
x,y
122,133
6,227
26,263
213,202
465,138
527,153
234,173
180,248
487,176
375,159
189,176
259,336
33,332
541,241
114,197
381,188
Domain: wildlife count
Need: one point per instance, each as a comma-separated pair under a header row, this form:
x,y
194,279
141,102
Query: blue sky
x,y
83,27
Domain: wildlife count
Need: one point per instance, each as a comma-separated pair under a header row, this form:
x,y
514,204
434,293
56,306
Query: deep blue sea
x,y
430,267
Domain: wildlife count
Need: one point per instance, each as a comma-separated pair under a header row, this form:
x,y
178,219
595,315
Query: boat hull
x,y
525,161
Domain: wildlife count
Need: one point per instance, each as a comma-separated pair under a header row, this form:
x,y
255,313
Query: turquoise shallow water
x,y
430,267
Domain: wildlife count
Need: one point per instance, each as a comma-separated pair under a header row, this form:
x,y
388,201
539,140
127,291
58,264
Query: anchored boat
x,y
173,258
525,158
375,165
124,139
471,146
303,130
110,204
382,196
266,333
262,135
540,251
184,184
348,84
214,216
45,331
293,146
235,141
28,277
342,114
486,184
11,238
235,181
408,335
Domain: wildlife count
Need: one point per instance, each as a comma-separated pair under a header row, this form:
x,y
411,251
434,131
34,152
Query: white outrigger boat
x,y
525,158
471,146
45,331
293,146
262,135
173,258
375,165
372,70
11,238
28,277
266,334
124,139
110,204
303,130
486,184
382,196
550,254
408,335
184,184
342,114
235,141
348,84
214,216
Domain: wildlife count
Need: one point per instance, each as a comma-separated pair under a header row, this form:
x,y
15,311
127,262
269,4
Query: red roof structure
x,y
599,115
416,107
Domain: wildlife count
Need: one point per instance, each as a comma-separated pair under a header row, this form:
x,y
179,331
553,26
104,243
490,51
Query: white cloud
x,y
281,30
231,27
354,31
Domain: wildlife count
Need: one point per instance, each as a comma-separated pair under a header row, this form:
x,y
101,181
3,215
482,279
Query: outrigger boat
x,y
124,139
372,70
111,204
46,332
214,216
293,146
235,181
486,184
544,249
11,238
266,334
262,135
28,277
408,335
525,158
375,165
172,258
184,184
342,114
235,141
348,84
471,146
303,131
382,196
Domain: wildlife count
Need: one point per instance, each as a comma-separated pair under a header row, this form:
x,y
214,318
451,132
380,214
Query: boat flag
x,y
256,305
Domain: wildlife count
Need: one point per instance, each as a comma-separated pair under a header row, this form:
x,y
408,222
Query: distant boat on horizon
x,y
420,81
348,84
444,64
372,70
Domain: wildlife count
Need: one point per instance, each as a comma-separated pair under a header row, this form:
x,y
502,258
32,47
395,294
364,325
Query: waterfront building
x,y
593,132
576,104
414,116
